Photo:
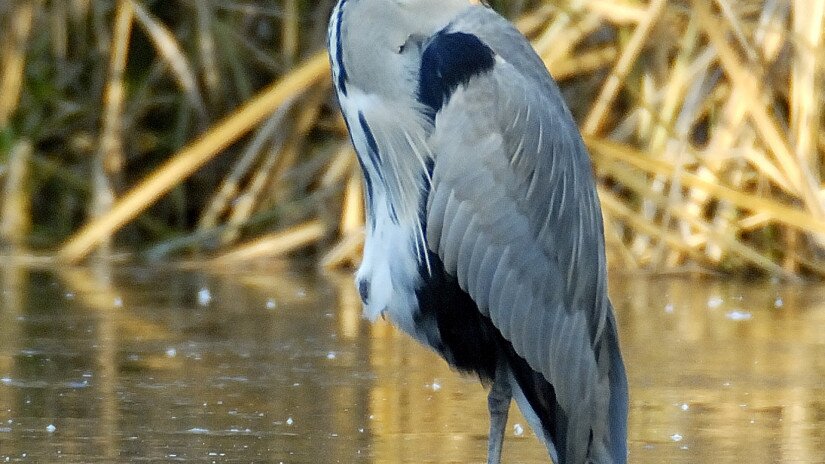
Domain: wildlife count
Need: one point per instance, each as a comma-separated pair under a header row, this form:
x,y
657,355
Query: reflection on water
x,y
163,364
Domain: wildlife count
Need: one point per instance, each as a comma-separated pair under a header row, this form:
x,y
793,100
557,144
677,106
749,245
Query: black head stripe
x,y
341,84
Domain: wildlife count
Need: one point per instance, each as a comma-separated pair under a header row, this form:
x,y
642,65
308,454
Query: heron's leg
x,y
498,402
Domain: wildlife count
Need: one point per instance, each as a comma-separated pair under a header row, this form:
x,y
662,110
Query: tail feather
x,y
541,396
618,394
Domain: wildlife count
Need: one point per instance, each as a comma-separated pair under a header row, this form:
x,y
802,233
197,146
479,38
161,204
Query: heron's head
x,y
367,38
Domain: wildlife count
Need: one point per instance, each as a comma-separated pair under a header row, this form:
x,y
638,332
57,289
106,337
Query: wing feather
x,y
476,260
486,271
449,214
465,253
459,226
436,208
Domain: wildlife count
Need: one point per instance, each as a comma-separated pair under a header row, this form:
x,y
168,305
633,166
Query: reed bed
x,y
170,129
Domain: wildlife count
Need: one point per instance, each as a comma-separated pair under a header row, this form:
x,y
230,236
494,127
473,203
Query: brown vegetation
x,y
150,126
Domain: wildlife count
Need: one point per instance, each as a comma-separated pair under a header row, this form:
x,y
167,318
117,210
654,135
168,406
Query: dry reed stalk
x,y
193,156
230,187
172,53
777,212
274,245
623,13
728,239
530,23
767,127
616,247
558,41
206,47
244,204
738,31
799,173
290,32
595,118
340,165
346,252
59,30
731,131
657,121
14,59
277,161
695,69
583,63
721,184
296,169
15,220
352,215
351,229
616,208
351,226
109,159
806,93
705,231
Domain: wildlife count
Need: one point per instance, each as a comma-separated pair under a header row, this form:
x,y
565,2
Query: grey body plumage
x,y
484,238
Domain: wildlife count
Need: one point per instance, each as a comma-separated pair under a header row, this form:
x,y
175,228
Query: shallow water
x,y
165,364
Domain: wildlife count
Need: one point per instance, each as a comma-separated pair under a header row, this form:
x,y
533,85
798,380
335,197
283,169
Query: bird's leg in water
x,y
498,402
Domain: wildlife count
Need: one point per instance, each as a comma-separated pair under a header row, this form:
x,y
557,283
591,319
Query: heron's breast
x,y
389,273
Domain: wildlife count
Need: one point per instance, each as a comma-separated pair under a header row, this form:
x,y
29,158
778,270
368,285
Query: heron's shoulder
x,y
477,42
495,31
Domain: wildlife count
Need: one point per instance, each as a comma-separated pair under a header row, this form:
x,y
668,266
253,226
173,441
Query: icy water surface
x,y
163,364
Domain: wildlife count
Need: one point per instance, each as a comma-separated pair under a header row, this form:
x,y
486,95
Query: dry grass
x,y
153,121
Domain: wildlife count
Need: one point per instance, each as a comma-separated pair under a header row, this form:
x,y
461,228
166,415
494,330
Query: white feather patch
x,y
390,269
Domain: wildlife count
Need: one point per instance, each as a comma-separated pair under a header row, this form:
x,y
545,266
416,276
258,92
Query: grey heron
x,y
484,236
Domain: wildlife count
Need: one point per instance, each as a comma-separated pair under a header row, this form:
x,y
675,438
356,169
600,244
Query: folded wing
x,y
512,213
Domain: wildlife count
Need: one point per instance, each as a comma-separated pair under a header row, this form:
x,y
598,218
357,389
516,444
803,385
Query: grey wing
x,y
513,214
